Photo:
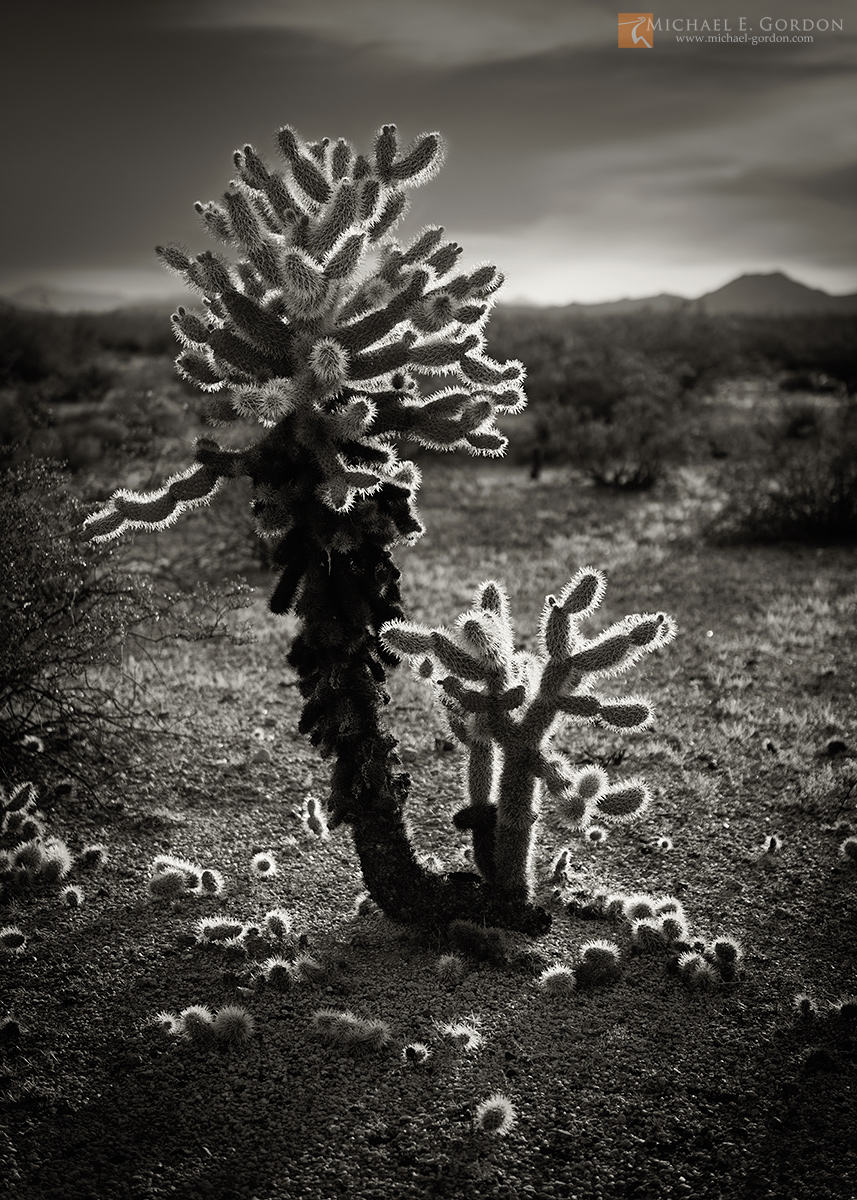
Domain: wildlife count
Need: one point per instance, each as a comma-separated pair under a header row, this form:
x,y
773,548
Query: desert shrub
x,y
68,610
803,489
631,450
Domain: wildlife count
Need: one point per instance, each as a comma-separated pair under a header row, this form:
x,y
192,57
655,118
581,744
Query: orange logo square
x,y
636,31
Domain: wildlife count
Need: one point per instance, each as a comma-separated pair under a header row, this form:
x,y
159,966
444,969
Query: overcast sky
x,y
585,171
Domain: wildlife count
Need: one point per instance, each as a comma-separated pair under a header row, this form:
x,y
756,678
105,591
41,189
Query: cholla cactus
x,y
506,705
298,336
317,324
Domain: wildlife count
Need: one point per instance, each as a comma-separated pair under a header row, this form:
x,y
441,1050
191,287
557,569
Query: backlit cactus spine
x,y
505,706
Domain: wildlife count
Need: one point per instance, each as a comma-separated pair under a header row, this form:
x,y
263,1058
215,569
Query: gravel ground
x,y
644,1089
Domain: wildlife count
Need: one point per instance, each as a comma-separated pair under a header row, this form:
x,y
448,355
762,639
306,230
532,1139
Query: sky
x,y
586,172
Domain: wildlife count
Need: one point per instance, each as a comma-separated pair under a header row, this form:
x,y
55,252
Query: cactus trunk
x,y
517,813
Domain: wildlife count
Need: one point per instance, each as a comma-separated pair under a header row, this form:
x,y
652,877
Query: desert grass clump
x,y
416,1054
600,964
343,1028
496,1115
72,896
12,939
263,865
233,1025
197,1024
557,980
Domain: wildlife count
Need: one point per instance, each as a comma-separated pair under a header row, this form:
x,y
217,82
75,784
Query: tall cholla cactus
x,y
505,706
319,332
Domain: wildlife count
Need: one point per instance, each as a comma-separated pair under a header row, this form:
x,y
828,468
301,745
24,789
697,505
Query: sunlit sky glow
x,y
586,172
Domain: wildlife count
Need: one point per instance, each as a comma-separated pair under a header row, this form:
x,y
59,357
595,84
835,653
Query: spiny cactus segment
x,y
505,706
495,1115
316,323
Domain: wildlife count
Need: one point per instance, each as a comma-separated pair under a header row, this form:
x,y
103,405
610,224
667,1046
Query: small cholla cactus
x,y
315,819
218,929
415,1054
772,844
559,869
278,973
695,972
505,706
848,850
668,904
278,924
345,1029
600,964
674,927
846,1009
647,935
595,834
804,1006
557,980
664,844
727,954
191,872
197,1023
478,941
169,884
211,882
310,969
233,1025
12,939
263,866
463,1033
92,856
450,969
638,907
56,861
168,1022
72,897
614,905
495,1115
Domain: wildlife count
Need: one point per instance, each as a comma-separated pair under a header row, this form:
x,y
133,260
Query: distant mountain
x,y
773,295
41,298
749,295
